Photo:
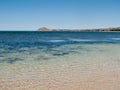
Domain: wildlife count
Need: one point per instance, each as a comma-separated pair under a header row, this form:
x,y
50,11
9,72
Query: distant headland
x,y
43,29
81,30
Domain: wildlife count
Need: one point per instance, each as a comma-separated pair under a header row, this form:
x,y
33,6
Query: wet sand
x,y
70,76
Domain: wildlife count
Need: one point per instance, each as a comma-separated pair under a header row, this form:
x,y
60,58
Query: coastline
x,y
117,29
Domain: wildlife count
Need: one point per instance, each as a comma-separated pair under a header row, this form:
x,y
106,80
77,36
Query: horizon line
x,y
56,29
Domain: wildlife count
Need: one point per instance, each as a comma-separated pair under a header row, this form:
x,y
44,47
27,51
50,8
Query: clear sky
x,y
71,14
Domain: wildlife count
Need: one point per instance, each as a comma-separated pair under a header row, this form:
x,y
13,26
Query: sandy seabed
x,y
87,71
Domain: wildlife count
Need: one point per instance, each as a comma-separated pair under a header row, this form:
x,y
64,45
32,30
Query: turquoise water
x,y
23,53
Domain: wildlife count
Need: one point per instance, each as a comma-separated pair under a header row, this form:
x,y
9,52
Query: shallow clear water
x,y
26,52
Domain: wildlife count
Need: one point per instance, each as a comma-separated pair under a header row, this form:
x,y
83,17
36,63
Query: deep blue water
x,y
52,39
14,45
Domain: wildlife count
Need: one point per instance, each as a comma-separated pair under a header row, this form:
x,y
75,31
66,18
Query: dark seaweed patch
x,y
60,54
43,58
11,60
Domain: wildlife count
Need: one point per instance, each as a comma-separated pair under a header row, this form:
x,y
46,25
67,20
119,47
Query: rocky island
x,y
43,29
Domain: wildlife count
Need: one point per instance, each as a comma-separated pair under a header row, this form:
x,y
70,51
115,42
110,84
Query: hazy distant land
x,y
82,30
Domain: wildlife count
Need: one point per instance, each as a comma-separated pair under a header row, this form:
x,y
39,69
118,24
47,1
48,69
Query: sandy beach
x,y
64,75
67,79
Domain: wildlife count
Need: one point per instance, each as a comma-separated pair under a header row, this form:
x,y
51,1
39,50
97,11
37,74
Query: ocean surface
x,y
37,55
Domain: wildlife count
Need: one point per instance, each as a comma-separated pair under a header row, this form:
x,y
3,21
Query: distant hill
x,y
43,29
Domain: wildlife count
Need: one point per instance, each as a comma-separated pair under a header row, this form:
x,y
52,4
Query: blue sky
x,y
68,14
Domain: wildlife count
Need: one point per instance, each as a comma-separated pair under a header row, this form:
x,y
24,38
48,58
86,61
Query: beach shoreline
x,y
64,75
73,62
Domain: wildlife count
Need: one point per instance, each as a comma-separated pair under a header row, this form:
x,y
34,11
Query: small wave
x,y
73,40
55,41
115,38
82,40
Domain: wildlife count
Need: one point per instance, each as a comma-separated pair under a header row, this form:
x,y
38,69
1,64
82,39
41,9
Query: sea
x,y
26,55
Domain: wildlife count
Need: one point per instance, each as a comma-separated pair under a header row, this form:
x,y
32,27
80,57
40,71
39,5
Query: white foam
x,y
56,41
115,38
82,40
